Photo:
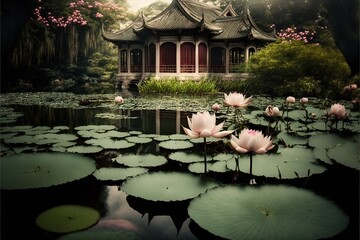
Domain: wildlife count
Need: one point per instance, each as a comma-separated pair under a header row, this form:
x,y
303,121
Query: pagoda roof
x,y
194,15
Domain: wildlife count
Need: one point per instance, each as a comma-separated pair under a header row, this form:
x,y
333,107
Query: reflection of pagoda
x,y
187,40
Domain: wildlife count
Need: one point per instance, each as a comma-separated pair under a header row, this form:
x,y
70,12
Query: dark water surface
x,y
19,208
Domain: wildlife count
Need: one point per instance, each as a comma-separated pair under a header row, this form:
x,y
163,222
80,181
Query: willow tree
x,y
63,33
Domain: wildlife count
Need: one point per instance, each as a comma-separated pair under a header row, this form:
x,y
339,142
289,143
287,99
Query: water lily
x,y
272,114
237,100
303,101
215,107
203,124
119,100
337,110
290,99
271,111
251,141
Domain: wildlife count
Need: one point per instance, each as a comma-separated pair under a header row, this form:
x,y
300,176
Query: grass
x,y
174,86
208,85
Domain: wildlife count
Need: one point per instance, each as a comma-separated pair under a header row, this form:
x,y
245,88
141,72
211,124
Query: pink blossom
x,y
271,111
290,99
215,107
304,100
203,124
119,100
237,100
251,141
337,110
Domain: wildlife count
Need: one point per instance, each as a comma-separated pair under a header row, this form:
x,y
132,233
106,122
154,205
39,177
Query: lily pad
x,y
186,157
67,218
109,143
288,163
116,174
176,144
267,212
347,154
218,166
38,170
166,186
137,139
85,149
145,160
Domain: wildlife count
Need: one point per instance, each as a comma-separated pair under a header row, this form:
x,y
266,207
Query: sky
x,y
135,5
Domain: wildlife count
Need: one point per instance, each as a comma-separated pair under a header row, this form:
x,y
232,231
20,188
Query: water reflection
x,y
20,208
149,216
157,121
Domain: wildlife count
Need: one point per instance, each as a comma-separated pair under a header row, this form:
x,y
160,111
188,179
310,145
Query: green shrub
x,y
174,86
299,69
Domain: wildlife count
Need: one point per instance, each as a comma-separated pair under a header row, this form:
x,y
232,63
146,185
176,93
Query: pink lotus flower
x,y
215,107
304,100
204,125
251,141
237,100
119,100
290,99
271,111
337,110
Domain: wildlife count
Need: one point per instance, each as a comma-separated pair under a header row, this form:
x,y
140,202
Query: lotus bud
x,y
119,100
215,107
290,99
304,100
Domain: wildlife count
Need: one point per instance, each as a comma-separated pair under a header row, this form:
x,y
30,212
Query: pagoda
x,y
187,40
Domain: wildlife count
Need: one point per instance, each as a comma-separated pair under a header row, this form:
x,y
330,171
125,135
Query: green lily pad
x,y
109,143
218,166
176,144
288,163
38,170
186,157
67,218
85,149
267,212
346,154
137,139
146,160
166,186
116,174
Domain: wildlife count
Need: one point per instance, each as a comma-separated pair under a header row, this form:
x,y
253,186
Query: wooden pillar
x,y
227,58
157,60
196,54
128,58
178,60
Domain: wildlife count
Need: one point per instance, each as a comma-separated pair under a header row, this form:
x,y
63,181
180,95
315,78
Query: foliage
x,y
295,68
100,65
64,13
174,86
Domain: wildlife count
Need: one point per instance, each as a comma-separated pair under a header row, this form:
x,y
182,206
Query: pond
x,y
82,167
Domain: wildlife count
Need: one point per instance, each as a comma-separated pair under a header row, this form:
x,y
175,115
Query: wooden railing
x,y
217,68
168,68
187,68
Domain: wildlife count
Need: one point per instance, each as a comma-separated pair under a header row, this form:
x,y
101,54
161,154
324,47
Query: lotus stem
x,y
252,179
205,153
251,165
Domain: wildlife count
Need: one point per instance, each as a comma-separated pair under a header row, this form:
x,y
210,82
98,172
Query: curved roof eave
x,y
127,34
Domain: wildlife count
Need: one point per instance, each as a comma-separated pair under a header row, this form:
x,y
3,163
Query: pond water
x,y
146,123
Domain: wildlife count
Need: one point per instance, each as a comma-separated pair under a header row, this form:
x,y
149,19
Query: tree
x,y
299,69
